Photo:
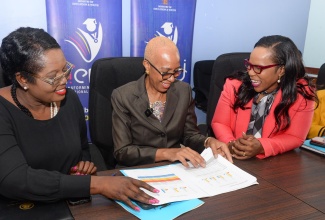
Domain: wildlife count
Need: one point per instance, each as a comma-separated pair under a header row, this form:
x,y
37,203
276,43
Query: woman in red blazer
x,y
268,109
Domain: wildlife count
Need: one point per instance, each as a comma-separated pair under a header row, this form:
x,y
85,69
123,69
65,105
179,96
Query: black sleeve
x,y
19,181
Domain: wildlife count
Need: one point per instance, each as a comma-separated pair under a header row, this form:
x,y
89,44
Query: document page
x,y
172,188
219,176
177,183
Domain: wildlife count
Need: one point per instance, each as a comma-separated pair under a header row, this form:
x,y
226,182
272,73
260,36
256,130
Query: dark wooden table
x,y
291,186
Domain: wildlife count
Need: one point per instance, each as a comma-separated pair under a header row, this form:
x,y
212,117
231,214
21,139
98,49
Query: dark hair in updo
x,y
22,51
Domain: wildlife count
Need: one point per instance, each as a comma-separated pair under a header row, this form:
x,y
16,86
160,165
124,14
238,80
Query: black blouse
x,y
36,156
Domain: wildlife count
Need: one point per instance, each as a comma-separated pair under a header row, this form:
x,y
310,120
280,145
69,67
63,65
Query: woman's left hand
x,y
83,168
219,147
246,147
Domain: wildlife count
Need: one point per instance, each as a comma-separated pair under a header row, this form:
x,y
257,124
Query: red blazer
x,y
228,125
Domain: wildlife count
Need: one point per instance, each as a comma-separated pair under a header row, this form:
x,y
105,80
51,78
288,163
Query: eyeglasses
x,y
56,80
166,75
257,68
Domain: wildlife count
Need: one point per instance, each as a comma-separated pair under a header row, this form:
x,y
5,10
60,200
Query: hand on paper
x,y
246,147
219,147
83,168
123,189
181,154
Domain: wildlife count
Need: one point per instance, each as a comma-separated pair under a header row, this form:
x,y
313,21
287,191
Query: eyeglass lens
x,y
249,66
168,75
66,74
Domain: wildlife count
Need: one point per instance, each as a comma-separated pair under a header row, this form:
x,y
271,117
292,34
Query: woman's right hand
x,y
181,154
123,189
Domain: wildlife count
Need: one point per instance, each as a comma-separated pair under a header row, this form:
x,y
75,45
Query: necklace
x,y
20,106
53,106
160,98
54,109
264,93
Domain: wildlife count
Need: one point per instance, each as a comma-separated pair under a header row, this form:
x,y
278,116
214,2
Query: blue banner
x,y
86,31
170,18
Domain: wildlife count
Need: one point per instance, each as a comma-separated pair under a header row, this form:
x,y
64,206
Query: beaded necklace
x,y
53,106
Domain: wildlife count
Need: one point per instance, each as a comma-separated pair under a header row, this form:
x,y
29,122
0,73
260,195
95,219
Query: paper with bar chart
x,y
177,183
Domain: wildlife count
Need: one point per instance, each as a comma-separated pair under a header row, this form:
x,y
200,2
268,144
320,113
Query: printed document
x,y
178,183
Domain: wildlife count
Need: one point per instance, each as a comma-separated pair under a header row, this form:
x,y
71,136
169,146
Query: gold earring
x,y
147,72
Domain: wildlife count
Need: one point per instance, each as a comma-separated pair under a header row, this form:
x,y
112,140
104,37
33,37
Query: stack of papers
x,y
177,183
319,150
180,187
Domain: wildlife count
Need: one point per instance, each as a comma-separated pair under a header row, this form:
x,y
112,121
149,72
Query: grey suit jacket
x,y
137,136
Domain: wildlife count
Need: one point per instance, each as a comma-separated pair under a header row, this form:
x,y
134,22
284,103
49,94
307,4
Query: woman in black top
x,y
44,154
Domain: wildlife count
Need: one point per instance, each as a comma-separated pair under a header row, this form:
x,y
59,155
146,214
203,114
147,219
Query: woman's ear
x,y
146,66
282,71
22,81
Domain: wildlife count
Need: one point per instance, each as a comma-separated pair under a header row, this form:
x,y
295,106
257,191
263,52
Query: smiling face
x,y
54,65
163,54
267,79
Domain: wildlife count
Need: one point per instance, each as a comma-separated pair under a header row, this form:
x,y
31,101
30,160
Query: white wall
x,y
235,25
314,52
19,13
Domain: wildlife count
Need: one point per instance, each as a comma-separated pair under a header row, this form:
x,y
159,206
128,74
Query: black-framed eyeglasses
x,y
56,80
258,68
166,75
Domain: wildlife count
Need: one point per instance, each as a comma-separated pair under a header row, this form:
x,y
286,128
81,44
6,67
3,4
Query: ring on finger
x,y
244,154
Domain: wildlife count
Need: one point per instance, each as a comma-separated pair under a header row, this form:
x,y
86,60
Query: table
x,y
291,186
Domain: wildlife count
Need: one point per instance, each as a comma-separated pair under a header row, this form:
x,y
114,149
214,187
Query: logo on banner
x,y
89,40
169,31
